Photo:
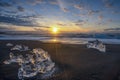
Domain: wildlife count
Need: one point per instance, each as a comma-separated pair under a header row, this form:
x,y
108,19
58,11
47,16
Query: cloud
x,y
100,17
116,30
80,7
108,3
63,5
65,9
40,28
79,22
112,29
116,12
11,29
16,21
110,20
5,4
5,28
34,16
54,2
9,11
90,12
35,2
61,24
21,9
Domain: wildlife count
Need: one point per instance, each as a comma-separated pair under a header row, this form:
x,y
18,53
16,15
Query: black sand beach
x,y
75,61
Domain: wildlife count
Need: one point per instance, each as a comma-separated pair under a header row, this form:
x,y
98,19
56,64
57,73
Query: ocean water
x,y
64,40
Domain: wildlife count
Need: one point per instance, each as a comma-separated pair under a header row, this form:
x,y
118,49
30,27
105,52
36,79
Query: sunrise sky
x,y
67,16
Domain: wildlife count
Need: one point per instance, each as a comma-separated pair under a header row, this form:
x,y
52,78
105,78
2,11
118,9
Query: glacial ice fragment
x,y
9,44
20,48
31,65
97,45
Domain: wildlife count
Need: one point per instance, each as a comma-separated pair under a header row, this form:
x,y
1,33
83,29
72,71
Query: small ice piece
x,y
20,48
97,45
16,59
38,62
6,62
9,44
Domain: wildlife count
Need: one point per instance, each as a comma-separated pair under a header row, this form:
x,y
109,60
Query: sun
x,y
55,30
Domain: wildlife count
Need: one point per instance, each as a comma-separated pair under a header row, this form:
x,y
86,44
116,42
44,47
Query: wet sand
x,y
75,61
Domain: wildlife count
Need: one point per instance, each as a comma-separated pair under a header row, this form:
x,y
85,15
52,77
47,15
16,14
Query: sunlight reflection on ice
x,y
37,62
20,48
97,45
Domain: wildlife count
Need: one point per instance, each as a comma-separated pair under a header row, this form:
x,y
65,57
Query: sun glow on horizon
x,y
55,30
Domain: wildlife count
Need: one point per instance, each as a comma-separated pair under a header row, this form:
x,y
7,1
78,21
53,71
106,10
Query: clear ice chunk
x,y
20,48
31,65
96,45
9,44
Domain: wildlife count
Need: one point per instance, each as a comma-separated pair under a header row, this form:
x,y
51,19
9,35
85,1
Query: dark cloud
x,y
10,12
33,18
2,28
90,12
112,29
30,16
109,3
6,28
38,28
65,9
20,8
16,21
5,4
79,22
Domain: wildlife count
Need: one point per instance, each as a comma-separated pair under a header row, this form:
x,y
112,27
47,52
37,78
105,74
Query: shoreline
x,y
63,40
